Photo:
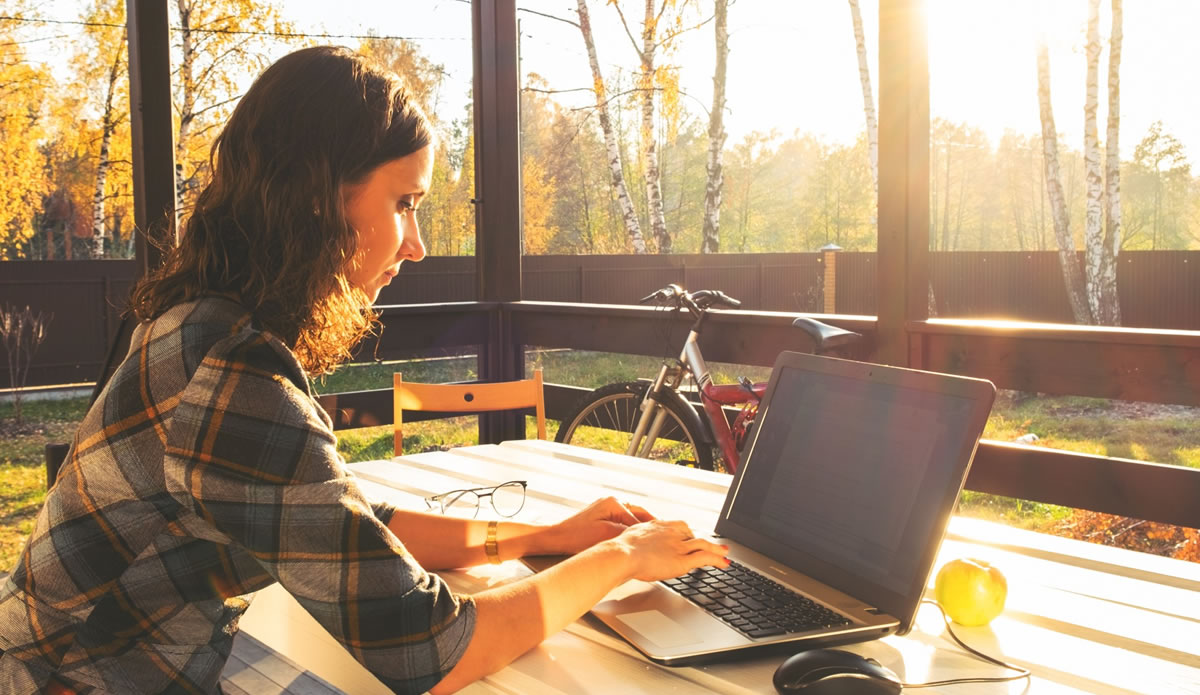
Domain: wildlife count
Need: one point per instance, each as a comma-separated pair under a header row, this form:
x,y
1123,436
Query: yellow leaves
x,y
228,41
22,185
446,216
666,79
537,205
22,165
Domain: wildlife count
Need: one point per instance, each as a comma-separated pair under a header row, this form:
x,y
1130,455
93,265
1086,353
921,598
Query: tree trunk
x,y
711,242
1072,277
1112,184
654,202
108,124
946,204
616,173
187,106
956,245
864,77
1101,271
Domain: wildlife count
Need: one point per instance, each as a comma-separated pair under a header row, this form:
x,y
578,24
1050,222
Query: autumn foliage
x,y
1134,534
23,177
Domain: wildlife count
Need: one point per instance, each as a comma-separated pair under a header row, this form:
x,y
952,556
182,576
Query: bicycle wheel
x,y
605,419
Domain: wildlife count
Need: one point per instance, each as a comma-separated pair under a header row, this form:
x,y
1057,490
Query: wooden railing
x,y
1157,366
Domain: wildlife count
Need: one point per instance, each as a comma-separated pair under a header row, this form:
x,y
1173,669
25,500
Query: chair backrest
x,y
466,398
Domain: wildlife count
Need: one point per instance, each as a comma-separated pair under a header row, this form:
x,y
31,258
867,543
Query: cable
x,y
1021,671
278,34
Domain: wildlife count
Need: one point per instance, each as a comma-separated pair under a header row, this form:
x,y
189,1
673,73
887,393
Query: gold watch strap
x,y
490,546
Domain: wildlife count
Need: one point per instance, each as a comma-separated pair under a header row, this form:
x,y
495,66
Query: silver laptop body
x,y
843,496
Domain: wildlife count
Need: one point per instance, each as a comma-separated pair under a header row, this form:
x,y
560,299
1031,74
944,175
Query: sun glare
x,y
982,59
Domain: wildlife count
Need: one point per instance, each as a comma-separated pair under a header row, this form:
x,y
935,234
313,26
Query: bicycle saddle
x,y
824,336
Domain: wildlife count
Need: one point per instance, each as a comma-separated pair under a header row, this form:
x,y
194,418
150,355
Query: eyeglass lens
x,y
508,499
464,503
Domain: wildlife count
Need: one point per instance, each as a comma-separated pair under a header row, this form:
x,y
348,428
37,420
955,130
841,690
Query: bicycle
x,y
652,419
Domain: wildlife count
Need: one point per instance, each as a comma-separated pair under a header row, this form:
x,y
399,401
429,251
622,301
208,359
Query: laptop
x,y
833,520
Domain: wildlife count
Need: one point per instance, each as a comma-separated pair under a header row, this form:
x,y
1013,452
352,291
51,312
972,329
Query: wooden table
x,y
1084,618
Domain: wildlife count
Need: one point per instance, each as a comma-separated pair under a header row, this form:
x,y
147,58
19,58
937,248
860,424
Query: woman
x,y
206,470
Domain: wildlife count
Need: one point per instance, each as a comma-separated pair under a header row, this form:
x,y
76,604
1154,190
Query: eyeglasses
x,y
507,499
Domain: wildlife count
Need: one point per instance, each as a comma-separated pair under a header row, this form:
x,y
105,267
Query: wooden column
x,y
153,135
497,196
152,129
903,273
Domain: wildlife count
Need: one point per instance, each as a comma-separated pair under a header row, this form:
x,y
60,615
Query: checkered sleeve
x,y
249,454
383,512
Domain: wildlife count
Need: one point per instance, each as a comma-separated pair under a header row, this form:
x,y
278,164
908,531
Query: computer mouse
x,y
835,672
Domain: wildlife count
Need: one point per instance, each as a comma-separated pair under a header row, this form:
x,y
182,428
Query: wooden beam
x,y
1119,363
152,129
742,337
1160,366
1118,486
425,330
903,274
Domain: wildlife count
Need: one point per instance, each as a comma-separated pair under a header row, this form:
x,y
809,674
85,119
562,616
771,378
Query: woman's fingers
x,y
640,512
703,553
696,545
623,511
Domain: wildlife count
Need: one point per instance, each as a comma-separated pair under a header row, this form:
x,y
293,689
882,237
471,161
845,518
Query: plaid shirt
x,y
204,472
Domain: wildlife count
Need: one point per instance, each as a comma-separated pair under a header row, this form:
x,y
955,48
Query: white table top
x,y
1084,618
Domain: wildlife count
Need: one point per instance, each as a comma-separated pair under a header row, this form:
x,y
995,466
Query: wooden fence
x,y
83,300
1159,289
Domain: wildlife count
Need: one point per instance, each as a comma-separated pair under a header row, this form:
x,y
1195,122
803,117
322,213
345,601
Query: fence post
x,y
829,285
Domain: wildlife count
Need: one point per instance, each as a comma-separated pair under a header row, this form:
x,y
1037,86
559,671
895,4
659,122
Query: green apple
x,y
971,591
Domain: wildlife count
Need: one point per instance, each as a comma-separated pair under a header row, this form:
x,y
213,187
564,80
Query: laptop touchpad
x,y
656,627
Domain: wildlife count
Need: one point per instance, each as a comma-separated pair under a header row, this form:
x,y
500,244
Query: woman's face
x,y
382,210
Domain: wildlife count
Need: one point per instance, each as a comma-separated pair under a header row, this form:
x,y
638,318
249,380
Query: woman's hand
x,y
664,549
603,519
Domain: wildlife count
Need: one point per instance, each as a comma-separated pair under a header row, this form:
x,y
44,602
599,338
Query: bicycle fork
x,y
654,414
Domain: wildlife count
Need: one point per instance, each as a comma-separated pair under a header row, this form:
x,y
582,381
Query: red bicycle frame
x,y
714,397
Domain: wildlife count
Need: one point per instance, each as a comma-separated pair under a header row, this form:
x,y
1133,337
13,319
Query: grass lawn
x,y
1166,434
23,465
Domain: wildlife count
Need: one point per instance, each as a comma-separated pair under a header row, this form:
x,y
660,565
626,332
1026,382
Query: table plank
x,y
1084,618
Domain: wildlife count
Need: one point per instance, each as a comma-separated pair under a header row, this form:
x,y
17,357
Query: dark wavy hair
x,y
270,229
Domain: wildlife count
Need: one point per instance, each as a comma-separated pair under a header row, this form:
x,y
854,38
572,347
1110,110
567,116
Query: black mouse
x,y
835,672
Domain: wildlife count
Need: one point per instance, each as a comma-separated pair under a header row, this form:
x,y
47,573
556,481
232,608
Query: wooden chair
x,y
466,398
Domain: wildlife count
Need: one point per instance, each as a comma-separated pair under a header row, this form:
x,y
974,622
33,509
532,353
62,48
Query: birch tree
x,y
102,62
649,142
864,78
615,167
218,41
652,79
1112,173
1101,274
711,240
108,124
1072,277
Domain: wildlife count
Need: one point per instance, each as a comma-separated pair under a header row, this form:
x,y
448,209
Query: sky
x,y
793,67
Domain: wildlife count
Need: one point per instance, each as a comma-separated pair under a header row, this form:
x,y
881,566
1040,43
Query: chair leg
x,y
56,455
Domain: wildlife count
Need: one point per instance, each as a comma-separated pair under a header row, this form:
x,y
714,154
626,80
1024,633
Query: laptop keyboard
x,y
751,603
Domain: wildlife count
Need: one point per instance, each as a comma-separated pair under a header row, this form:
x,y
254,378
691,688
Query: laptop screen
x,y
854,471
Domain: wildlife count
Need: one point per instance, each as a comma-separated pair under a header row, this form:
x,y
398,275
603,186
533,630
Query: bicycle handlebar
x,y
697,301
670,292
707,298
